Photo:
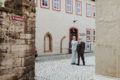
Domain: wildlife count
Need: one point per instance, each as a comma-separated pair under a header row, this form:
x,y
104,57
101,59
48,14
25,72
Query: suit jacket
x,y
81,48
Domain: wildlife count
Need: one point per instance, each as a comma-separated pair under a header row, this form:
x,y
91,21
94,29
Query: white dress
x,y
74,51
74,44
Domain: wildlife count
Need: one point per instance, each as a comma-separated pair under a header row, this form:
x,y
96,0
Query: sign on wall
x,y
88,45
82,34
18,18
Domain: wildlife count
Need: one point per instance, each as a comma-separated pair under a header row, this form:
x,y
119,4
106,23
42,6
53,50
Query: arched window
x,y
48,42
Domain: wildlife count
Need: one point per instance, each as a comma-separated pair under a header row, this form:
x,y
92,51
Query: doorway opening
x,y
72,32
48,42
61,44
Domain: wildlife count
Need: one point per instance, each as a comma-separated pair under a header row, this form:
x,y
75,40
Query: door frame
x,y
50,42
61,44
70,36
77,32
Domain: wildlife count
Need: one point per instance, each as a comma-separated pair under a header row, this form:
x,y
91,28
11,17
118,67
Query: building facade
x,y
58,20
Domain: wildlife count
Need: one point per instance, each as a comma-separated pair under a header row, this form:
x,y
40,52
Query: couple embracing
x,y
78,48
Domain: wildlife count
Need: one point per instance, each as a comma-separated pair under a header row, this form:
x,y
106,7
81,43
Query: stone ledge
x,y
100,77
5,9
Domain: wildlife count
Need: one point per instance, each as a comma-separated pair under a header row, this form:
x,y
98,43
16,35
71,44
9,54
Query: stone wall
x,y
17,41
108,39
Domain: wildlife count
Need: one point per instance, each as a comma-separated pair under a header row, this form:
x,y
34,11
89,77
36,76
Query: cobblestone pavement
x,y
61,69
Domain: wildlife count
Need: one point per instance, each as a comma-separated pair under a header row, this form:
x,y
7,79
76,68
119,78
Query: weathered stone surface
x,y
17,43
8,77
108,39
26,61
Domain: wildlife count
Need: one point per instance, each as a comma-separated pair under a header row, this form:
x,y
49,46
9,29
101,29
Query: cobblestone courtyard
x,y
61,69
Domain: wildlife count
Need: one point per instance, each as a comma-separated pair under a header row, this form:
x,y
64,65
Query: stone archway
x,y
61,44
48,42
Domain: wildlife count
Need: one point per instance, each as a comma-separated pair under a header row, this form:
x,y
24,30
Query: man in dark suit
x,y
80,51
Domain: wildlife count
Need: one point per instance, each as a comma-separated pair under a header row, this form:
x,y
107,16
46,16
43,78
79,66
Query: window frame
x,y
36,3
94,11
76,7
59,6
87,35
94,35
71,7
41,6
87,9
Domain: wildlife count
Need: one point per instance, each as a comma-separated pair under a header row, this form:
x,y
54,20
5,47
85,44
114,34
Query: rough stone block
x,y
7,62
28,36
8,77
18,62
27,61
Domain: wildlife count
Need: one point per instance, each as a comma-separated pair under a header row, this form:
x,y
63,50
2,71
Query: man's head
x,y
74,37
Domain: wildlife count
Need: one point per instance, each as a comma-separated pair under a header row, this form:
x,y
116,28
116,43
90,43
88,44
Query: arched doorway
x,y
72,32
48,42
61,44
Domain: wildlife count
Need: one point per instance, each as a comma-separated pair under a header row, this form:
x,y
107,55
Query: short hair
x,y
74,36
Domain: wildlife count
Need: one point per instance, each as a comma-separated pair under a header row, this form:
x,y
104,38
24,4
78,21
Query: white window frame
x,y
94,36
57,4
88,35
79,7
94,11
43,6
69,7
88,10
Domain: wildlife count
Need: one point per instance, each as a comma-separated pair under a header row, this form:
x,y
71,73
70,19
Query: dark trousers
x,y
82,57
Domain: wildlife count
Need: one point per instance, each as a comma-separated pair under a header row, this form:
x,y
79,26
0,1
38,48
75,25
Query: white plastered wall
x,y
58,24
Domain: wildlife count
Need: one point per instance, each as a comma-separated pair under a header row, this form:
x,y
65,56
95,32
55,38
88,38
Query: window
x,y
36,2
88,10
88,35
78,7
32,0
45,4
69,6
94,36
94,11
56,5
